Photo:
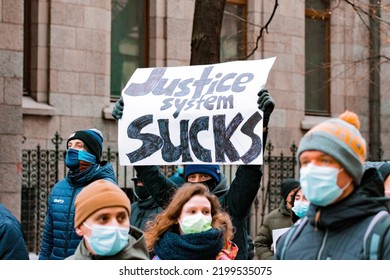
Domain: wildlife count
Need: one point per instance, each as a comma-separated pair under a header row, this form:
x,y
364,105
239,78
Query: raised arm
x,y
158,185
246,184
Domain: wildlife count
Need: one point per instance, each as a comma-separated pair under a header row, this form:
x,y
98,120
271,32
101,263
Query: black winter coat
x,y
143,211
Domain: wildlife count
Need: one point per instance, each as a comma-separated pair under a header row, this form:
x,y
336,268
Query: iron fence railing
x,y
42,169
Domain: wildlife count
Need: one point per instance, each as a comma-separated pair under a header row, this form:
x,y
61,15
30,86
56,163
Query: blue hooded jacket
x,y
12,243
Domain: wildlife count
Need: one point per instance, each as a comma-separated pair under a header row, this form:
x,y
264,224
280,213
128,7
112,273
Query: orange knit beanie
x,y
97,195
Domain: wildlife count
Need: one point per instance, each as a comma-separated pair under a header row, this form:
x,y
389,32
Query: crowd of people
x,y
196,214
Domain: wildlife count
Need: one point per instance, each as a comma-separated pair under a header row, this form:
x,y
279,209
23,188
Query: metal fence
x,y
41,169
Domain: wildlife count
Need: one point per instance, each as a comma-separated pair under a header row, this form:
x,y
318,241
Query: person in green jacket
x,y
280,217
102,218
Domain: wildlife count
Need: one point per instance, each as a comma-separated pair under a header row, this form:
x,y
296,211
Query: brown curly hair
x,y
168,219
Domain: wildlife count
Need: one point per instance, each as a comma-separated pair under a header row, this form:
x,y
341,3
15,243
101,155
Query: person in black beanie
x,y
288,188
92,140
144,208
278,218
83,158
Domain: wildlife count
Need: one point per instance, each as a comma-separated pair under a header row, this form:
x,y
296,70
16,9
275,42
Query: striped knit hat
x,y
340,138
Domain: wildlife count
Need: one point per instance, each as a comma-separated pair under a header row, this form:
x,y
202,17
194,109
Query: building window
x,y
317,57
233,33
129,48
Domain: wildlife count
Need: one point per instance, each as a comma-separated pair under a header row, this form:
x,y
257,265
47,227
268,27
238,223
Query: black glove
x,y
266,104
117,111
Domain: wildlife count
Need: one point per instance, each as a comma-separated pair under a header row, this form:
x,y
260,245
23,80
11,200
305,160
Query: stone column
x,y
11,91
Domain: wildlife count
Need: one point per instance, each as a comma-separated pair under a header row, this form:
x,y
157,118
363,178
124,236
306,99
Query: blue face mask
x,y
319,184
180,169
300,208
73,158
107,240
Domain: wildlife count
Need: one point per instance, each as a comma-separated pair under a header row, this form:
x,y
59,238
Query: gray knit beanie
x,y
340,138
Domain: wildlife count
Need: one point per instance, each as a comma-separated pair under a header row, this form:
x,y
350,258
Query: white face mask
x,y
107,240
319,184
195,223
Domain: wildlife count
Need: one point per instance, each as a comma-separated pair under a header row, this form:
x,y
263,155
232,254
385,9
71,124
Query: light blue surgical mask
x,y
319,184
107,240
180,169
300,208
73,158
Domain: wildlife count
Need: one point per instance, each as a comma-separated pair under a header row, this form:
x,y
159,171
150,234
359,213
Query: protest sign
x,y
203,114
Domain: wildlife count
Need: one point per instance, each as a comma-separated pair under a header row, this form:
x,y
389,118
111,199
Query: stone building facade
x,y
56,72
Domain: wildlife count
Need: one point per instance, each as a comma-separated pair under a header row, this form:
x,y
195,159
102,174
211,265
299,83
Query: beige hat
x,y
97,195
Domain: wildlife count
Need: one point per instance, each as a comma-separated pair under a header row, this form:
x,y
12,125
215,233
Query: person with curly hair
x,y
192,227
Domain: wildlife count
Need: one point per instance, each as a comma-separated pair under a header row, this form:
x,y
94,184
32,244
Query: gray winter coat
x,y
277,218
336,232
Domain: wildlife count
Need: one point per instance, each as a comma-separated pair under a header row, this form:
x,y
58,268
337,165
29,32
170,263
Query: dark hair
x,y
294,217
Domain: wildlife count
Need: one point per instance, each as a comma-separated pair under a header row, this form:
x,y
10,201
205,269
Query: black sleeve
x,y
158,185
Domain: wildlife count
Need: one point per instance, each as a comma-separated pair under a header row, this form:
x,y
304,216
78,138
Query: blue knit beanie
x,y
92,138
212,170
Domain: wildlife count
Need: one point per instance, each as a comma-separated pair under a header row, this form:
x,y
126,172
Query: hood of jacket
x,y
222,187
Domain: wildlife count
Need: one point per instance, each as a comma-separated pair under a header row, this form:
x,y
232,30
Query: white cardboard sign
x,y
203,114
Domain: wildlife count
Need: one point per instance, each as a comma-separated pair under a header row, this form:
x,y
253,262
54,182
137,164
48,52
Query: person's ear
x,y
79,231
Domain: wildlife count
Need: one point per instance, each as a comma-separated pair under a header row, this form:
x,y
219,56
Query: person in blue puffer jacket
x,y
12,238
83,158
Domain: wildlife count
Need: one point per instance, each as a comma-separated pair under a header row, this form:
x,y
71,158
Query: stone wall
x,y
11,122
